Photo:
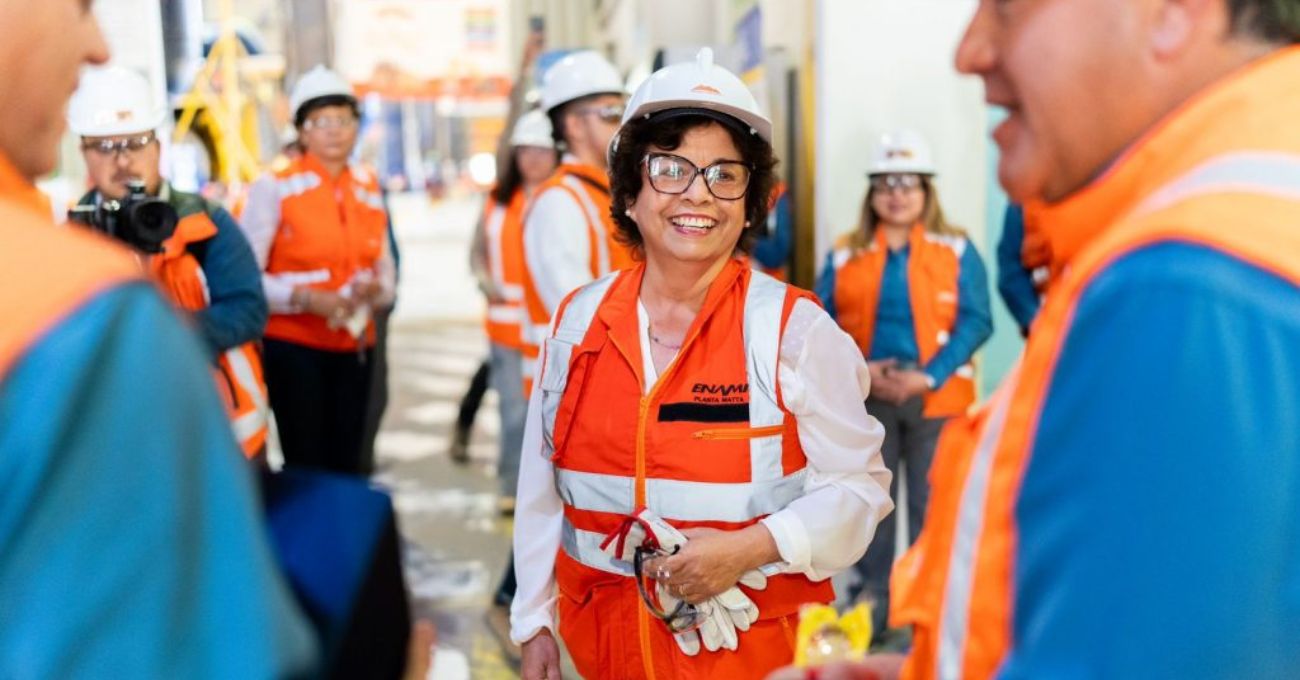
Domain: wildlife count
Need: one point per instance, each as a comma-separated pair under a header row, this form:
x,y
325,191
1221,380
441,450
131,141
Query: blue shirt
x,y
1015,282
237,311
131,544
1159,516
895,331
773,250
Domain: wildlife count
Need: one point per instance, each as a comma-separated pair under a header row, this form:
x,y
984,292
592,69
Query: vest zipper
x,y
643,618
737,433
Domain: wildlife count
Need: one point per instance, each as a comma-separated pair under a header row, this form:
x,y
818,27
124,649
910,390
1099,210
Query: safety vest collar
x,y
19,190
590,174
1167,151
619,313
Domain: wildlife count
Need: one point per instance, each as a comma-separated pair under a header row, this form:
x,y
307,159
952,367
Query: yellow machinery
x,y
221,108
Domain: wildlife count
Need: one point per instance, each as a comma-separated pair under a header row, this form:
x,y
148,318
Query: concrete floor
x,y
456,542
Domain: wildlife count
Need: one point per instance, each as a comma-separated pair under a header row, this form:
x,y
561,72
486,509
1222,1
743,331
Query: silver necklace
x,y
655,339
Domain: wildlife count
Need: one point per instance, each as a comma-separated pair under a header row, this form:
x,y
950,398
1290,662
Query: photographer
x,y
193,248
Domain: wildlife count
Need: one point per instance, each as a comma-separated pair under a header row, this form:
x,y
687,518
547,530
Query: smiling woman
x,y
697,462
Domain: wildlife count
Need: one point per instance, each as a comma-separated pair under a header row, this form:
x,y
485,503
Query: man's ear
x,y
1176,23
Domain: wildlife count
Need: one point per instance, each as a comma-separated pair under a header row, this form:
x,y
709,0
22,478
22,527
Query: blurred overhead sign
x,y
429,46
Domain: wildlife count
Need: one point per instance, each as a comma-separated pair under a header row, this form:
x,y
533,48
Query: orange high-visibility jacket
x,y
239,377
330,229
933,266
504,233
710,445
1220,173
589,188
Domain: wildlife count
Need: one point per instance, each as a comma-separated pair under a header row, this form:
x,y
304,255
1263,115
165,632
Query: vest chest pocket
x,y
738,433
554,378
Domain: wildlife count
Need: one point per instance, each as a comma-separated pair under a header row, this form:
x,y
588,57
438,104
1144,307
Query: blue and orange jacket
x,y
947,295
117,461
1128,504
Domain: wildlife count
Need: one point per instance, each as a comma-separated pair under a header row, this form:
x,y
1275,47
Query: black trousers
x,y
320,401
473,399
910,437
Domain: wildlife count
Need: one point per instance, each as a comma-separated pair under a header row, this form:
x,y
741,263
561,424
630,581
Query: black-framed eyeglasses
x,y
329,123
672,174
684,617
113,146
610,113
899,181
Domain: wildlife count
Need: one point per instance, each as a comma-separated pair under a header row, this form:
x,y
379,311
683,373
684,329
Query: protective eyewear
x,y
896,182
685,617
115,146
671,174
613,113
329,123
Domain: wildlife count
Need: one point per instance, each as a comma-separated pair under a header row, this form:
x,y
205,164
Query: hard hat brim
x,y
740,121
153,124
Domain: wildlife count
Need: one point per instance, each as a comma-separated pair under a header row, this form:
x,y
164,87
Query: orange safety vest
x,y
589,188
504,233
934,264
238,372
1178,184
710,445
47,272
330,229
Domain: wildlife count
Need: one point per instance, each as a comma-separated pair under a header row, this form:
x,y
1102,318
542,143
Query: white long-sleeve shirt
x,y
260,222
557,245
819,534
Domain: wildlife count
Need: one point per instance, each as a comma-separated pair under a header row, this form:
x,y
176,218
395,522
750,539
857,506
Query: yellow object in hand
x,y
824,636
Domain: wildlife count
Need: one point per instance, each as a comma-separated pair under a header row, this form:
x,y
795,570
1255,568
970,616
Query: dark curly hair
x,y
635,139
1276,21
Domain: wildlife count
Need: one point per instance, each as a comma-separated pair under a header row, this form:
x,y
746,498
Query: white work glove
x,y
738,606
718,631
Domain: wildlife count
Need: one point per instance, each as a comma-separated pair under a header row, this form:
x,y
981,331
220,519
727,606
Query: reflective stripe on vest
x,y
1254,172
600,239
254,422
769,490
296,184
953,626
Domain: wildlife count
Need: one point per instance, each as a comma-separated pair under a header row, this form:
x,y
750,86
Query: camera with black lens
x,y
138,219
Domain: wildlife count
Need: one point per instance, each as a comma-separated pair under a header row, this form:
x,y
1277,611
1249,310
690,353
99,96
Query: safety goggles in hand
x,y
685,617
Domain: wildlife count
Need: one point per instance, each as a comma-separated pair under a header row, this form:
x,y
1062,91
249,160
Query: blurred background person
x,y
320,233
569,236
911,290
1024,266
204,264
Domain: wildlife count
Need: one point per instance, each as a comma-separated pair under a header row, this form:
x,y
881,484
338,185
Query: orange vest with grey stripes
x,y
239,370
710,444
1181,182
330,229
589,188
504,233
933,267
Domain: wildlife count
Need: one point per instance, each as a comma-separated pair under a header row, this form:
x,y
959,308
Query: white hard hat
x,y
316,83
113,101
700,85
532,129
902,151
578,75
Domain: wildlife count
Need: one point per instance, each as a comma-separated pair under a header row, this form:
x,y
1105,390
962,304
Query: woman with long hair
x,y
912,292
